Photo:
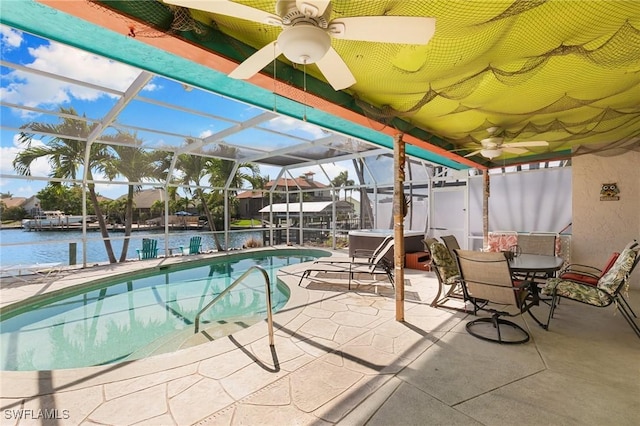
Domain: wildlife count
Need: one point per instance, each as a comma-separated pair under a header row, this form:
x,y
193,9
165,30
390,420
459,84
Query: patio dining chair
x,y
590,275
446,270
544,244
586,273
607,291
427,243
451,242
487,282
536,243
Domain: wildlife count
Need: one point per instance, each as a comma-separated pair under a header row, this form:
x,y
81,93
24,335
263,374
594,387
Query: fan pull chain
x,y
275,81
304,86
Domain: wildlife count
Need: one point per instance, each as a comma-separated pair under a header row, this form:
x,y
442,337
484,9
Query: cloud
x,y
22,187
10,38
34,90
39,167
205,134
289,124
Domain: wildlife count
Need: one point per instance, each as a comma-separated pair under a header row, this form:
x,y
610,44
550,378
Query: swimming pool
x,y
141,314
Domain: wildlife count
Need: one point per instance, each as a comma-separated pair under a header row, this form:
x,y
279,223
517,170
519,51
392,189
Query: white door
x,y
449,213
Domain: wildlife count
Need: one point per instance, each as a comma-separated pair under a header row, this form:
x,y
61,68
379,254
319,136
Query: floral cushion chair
x,y
606,292
447,273
501,241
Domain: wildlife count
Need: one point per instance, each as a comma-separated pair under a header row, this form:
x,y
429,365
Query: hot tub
x,y
369,239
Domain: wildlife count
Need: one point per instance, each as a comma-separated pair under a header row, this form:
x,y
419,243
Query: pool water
x,y
131,317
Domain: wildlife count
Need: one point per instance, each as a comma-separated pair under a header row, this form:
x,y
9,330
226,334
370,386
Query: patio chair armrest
x,y
523,290
362,253
581,269
522,285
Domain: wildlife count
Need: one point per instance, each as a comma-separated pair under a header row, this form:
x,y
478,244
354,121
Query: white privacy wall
x,y
528,201
415,221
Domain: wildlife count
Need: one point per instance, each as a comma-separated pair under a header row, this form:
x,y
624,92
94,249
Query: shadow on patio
x,y
341,358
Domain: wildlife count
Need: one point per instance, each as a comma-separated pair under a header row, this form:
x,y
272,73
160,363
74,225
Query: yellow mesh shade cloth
x,y
567,72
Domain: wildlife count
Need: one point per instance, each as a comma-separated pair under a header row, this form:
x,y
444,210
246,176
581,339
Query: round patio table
x,y
528,267
532,265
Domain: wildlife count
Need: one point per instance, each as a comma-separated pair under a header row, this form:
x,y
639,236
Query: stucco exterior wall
x,y
602,227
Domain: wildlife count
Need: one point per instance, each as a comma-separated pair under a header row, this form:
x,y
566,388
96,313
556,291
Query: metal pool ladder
x,y
235,283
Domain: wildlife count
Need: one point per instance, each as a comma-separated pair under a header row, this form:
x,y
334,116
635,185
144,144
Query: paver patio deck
x,y
340,357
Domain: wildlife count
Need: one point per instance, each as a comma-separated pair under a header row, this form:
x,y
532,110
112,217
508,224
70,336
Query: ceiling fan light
x,y
304,44
491,153
491,141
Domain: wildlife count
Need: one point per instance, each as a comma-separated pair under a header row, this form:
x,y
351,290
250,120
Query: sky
x,y
39,91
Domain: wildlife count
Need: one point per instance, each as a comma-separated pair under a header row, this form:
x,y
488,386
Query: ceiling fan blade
x,y
525,144
312,8
384,29
256,62
514,150
229,8
335,70
471,154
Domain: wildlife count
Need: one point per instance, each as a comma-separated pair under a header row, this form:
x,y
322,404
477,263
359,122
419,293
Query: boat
x,y
51,219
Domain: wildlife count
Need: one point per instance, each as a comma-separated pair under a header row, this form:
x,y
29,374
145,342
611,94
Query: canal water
x,y
18,246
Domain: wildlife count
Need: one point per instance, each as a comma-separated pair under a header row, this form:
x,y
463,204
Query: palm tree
x,y
366,211
341,181
259,181
221,169
135,165
194,168
66,156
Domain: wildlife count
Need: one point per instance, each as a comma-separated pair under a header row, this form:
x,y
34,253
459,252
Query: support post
x,y
485,210
398,223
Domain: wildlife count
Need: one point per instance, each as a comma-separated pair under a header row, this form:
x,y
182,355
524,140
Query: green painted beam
x,y
43,21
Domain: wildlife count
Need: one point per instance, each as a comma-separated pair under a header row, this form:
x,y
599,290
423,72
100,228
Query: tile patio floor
x,y
340,357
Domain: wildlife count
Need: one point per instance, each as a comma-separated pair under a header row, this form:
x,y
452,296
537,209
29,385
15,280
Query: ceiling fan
x,y
494,145
307,32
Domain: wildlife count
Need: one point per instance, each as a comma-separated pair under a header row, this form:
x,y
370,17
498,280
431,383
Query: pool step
x,y
185,338
167,343
217,330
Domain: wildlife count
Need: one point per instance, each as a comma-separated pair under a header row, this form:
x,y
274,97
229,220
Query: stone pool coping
x,y
17,384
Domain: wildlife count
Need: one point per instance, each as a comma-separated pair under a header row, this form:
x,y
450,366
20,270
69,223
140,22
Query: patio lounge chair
x,y
360,256
607,291
42,270
149,249
195,246
376,266
487,282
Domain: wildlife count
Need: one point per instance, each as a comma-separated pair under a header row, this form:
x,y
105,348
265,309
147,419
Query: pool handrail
x,y
235,283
